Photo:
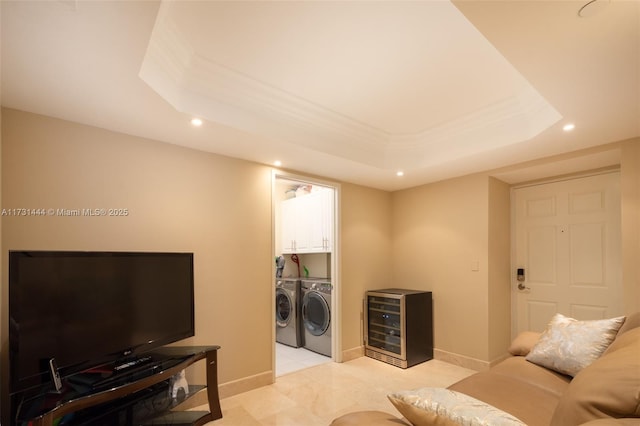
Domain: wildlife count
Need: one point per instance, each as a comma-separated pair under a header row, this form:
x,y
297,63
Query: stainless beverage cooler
x,y
399,326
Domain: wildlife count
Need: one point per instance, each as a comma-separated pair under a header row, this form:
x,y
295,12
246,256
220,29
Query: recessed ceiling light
x,y
277,163
196,122
399,173
568,127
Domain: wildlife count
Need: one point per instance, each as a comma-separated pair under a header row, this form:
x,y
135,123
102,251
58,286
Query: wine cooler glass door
x,y
385,325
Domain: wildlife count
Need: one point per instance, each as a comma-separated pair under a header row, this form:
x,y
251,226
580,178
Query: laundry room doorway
x,y
305,279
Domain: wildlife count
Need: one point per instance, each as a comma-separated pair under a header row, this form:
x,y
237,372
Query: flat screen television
x,y
86,309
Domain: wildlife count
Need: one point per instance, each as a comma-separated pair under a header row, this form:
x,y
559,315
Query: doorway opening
x,y
306,283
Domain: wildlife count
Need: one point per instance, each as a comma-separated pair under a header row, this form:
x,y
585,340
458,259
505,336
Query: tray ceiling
x,y
391,85
349,90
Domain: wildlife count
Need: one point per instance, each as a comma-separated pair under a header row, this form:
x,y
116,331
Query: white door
x,y
567,240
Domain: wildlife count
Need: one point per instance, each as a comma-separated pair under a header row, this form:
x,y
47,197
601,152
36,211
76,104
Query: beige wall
x,y
438,232
179,200
499,282
630,192
365,249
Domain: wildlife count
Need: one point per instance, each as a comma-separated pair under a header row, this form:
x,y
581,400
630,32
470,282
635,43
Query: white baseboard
x,y
245,384
228,389
461,360
352,353
450,357
500,359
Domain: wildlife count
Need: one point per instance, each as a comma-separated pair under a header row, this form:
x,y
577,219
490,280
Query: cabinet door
x,y
320,214
307,223
295,225
288,220
302,223
314,215
326,219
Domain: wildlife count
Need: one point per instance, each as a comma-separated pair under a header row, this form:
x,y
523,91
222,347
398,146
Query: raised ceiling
x,y
348,90
391,85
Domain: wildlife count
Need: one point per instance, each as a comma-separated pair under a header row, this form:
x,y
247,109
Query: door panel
x,y
541,247
567,238
539,313
587,252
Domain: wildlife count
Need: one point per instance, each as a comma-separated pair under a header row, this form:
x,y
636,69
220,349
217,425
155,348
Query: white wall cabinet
x,y
307,223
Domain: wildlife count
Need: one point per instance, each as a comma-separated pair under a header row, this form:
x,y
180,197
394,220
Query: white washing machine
x,y
316,314
288,311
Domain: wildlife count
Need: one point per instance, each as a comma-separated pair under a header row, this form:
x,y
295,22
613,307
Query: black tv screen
x,y
89,308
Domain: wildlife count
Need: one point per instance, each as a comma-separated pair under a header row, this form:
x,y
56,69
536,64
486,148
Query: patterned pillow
x,y
444,407
568,345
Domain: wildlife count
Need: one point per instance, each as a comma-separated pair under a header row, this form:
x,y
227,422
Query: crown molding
x,y
202,87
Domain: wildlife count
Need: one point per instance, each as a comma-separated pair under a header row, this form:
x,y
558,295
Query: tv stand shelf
x,y
121,395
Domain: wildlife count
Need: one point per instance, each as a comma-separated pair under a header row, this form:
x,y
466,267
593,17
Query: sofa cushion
x,y
444,407
519,368
612,422
532,404
610,387
568,345
368,418
523,343
630,323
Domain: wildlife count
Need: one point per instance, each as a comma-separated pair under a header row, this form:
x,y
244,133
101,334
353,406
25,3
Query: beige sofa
x,y
605,392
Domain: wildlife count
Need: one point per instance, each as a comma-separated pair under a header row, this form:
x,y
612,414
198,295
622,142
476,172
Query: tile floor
x,y
289,359
316,395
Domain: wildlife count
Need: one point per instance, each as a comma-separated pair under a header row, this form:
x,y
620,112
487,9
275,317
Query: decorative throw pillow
x,y
568,345
523,343
444,407
608,388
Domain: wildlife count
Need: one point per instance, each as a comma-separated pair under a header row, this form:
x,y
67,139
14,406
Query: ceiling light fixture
x,y
277,163
568,127
399,173
196,122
